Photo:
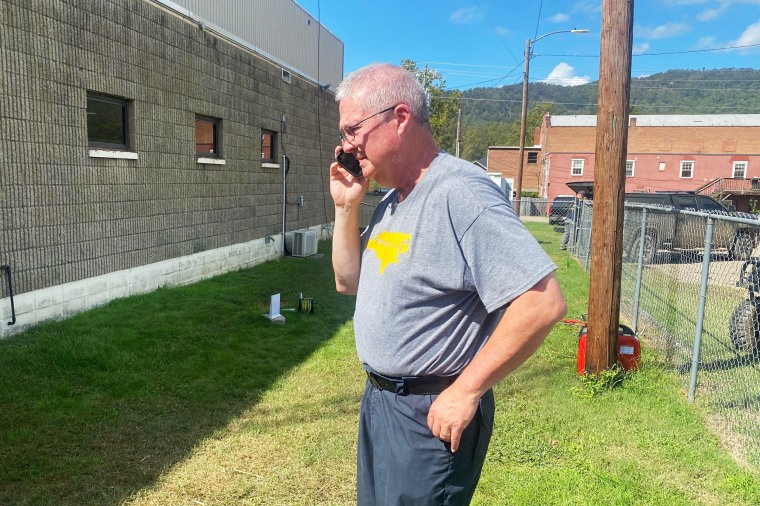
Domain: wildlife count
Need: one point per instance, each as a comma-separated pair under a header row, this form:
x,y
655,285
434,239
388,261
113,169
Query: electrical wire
x,y
663,53
495,29
538,20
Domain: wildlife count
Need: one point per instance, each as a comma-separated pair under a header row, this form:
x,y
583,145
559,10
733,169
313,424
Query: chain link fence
x,y
690,287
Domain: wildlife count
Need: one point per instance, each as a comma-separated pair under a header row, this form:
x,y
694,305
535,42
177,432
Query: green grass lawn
x,y
189,396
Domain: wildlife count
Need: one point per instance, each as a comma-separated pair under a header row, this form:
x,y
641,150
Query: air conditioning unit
x,y
304,243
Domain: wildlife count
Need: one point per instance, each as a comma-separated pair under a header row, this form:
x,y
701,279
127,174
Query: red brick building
x,y
713,154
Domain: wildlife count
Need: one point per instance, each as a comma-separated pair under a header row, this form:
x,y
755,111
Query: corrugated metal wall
x,y
282,29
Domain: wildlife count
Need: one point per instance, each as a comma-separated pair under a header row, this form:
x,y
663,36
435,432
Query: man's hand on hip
x,y
450,414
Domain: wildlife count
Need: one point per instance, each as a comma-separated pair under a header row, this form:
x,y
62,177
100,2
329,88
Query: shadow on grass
x,y
96,407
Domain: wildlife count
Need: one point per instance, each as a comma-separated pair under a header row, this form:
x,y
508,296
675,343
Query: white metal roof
x,y
279,30
666,120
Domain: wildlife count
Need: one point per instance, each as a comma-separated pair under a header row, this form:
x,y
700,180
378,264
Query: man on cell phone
x,y
453,294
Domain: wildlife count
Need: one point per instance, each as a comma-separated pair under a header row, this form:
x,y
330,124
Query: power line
x,y
582,104
743,90
538,20
496,31
664,53
496,81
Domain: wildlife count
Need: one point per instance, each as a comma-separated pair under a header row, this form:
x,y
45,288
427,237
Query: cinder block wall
x,y
66,217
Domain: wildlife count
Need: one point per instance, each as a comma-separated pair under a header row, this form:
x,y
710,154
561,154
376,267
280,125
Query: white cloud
x,y
466,16
706,43
590,6
500,30
662,31
562,75
750,36
640,48
678,3
709,14
560,17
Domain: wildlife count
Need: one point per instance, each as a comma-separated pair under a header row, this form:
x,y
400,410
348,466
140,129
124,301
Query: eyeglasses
x,y
348,133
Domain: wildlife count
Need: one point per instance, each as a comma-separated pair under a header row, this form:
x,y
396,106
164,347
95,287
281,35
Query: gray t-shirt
x,y
438,270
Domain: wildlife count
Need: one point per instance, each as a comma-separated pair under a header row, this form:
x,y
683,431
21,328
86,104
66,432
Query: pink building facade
x,y
711,154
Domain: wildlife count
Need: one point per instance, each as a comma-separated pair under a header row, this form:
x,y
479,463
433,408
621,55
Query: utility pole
x,y
609,184
523,120
459,138
524,112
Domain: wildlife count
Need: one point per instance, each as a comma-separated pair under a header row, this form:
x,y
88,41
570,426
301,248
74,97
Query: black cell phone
x,y
350,163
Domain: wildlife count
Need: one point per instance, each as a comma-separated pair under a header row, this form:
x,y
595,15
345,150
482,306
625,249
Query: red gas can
x,y
628,349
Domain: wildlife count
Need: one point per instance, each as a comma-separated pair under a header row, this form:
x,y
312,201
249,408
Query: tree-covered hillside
x,y
491,116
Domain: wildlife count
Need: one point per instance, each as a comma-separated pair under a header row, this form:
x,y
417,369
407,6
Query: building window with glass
x,y
740,170
533,157
108,122
687,169
207,137
268,143
629,168
576,167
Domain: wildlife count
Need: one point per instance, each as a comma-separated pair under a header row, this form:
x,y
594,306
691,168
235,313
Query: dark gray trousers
x,y
400,462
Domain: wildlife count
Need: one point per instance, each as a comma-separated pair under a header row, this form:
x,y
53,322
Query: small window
x,y
740,170
207,137
268,143
687,169
107,122
661,167
286,76
533,157
576,168
629,166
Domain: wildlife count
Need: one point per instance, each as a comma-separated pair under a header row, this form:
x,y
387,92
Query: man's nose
x,y
347,145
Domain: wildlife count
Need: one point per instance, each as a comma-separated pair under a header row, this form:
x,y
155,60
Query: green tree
x,y
477,138
533,120
443,106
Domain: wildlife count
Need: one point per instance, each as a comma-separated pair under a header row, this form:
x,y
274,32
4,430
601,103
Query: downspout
x,y
7,269
285,169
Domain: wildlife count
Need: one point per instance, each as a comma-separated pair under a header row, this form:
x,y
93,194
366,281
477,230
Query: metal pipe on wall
x,y
7,269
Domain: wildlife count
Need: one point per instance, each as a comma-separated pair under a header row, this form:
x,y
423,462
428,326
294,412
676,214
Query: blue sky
x,y
480,43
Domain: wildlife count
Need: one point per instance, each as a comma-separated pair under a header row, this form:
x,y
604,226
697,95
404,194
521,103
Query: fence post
x,y
578,216
639,270
590,209
701,309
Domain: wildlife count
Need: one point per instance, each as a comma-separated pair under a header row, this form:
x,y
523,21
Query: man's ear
x,y
403,116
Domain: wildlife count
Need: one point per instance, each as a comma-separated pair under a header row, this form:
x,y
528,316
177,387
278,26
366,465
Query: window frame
x,y
126,120
272,146
632,164
216,151
681,169
744,163
532,157
573,167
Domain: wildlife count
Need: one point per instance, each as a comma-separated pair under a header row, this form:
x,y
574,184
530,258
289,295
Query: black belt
x,y
414,385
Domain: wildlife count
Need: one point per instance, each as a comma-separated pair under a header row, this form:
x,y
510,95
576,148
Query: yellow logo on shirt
x,y
389,246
